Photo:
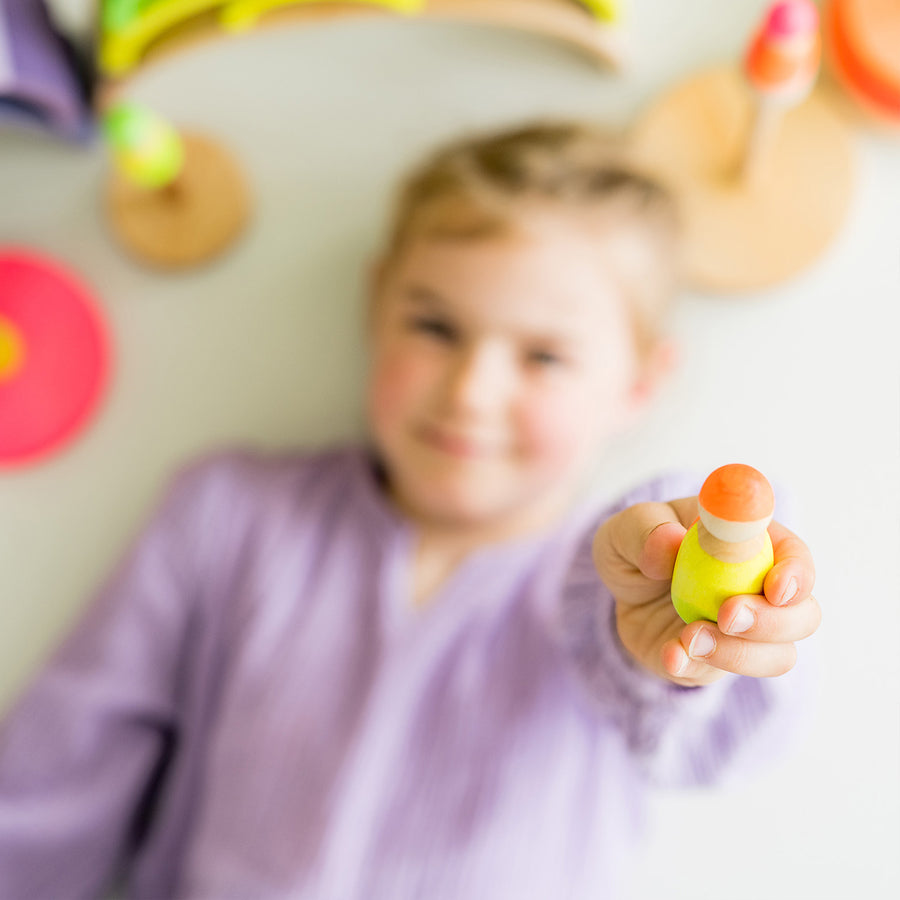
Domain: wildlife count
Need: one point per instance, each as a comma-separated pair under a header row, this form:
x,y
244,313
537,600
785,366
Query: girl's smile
x,y
456,445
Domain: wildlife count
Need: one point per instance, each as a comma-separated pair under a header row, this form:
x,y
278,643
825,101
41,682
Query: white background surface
x,y
265,348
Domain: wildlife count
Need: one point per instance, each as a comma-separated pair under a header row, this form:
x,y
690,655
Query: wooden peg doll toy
x,y
727,551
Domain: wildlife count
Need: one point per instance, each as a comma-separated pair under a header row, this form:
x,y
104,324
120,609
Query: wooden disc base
x,y
189,222
747,235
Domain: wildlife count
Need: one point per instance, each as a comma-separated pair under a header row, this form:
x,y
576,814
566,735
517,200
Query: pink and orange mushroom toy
x,y
761,161
781,66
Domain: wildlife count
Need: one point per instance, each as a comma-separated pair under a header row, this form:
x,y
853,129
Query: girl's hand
x,y
634,552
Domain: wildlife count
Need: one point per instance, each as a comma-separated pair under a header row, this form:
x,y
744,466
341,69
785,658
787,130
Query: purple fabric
x,y
39,81
253,709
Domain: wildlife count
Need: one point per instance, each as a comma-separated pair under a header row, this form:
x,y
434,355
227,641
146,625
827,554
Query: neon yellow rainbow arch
x,y
129,27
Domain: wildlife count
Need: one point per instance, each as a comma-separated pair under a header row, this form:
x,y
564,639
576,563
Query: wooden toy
x,y
594,27
241,14
762,166
54,356
781,67
128,27
133,31
863,46
174,200
146,148
727,551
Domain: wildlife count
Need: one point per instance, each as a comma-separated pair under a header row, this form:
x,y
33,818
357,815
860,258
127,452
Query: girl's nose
x,y
480,381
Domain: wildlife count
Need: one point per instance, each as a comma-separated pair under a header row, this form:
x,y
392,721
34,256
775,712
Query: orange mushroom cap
x,y
768,67
785,50
737,493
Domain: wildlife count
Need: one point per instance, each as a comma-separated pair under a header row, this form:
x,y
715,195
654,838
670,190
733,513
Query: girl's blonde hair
x,y
487,185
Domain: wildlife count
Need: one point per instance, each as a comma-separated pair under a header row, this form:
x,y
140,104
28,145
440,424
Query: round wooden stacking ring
x,y
192,220
744,236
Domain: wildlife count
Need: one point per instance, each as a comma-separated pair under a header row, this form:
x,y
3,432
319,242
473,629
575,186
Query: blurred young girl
x,y
394,671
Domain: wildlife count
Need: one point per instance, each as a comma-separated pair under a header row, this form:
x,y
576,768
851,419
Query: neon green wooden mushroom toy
x,y
174,200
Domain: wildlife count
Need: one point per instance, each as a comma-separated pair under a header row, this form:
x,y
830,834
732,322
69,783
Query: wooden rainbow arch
x,y
133,32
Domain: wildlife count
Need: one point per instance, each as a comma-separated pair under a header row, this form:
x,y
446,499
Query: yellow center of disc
x,y
12,350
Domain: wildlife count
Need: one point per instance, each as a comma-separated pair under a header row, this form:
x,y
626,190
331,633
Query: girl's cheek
x,y
564,429
395,381
553,429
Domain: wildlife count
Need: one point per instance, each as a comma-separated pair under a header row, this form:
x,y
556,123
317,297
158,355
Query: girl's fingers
x,y
754,618
626,534
634,551
656,559
703,652
792,577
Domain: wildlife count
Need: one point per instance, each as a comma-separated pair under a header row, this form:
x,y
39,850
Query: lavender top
x,y
253,709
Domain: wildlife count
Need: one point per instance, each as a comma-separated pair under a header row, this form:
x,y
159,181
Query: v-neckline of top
x,y
506,560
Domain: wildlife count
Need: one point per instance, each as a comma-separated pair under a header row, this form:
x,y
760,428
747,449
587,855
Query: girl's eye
x,y
436,328
544,358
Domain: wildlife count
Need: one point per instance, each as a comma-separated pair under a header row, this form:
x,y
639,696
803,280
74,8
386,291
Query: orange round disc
x,y
864,49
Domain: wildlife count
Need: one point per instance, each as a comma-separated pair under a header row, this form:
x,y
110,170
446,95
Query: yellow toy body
x,y
701,583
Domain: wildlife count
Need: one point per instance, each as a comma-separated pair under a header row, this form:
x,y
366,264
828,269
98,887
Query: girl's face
x,y
499,366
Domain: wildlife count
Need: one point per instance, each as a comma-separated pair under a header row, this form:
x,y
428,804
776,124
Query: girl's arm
x,y
83,748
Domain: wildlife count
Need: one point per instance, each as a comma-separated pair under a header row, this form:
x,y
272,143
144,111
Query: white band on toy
x,y
732,532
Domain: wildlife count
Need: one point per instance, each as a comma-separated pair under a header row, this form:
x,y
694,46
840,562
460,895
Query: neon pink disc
x,y
54,356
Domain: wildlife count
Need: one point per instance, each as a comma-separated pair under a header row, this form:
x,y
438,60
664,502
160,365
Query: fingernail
x,y
789,592
703,644
683,664
743,621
